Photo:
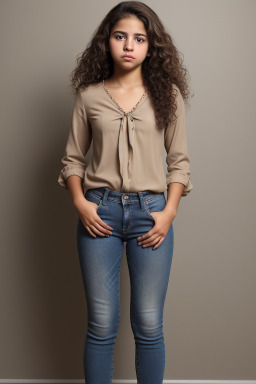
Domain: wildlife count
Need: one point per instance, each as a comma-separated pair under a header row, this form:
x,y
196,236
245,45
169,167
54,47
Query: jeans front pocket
x,y
93,198
155,204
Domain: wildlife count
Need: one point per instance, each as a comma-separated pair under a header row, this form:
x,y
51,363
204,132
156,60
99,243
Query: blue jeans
x,y
100,260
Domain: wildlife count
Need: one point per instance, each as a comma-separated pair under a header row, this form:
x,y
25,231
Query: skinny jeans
x,y
149,270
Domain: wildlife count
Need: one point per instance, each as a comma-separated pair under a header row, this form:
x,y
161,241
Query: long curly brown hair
x,y
160,70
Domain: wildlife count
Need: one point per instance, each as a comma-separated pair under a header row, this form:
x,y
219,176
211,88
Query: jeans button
x,y
126,197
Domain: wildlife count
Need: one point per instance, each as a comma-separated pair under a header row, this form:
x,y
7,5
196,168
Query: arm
x,y
178,163
78,144
74,184
175,191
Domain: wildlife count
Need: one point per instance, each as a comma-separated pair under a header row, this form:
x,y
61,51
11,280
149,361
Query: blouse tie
x,y
126,149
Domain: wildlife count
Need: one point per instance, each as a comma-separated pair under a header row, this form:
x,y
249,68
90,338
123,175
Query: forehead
x,y
130,24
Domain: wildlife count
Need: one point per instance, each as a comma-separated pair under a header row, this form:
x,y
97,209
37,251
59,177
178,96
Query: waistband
x,y
104,193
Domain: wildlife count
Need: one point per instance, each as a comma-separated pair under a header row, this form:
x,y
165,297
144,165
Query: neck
x,y
125,80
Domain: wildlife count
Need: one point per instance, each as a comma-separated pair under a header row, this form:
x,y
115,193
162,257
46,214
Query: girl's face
x,y
128,37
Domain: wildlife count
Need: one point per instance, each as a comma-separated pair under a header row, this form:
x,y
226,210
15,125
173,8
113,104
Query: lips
x,y
129,56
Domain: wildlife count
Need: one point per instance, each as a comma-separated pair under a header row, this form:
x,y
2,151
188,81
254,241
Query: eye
x,y
137,38
118,36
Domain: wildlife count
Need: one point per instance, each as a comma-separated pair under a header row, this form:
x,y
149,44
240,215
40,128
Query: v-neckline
x,y
118,106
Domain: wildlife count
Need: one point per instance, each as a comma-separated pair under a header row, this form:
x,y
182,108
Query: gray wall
x,y
210,315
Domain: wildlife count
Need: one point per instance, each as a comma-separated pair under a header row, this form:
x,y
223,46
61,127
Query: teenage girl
x,y
130,89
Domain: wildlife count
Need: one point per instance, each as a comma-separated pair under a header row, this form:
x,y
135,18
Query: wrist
x,y
78,201
171,211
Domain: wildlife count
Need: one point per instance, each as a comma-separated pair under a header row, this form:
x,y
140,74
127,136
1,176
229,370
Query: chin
x,y
125,64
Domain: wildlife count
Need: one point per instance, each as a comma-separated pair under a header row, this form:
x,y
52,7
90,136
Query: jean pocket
x,y
93,198
155,204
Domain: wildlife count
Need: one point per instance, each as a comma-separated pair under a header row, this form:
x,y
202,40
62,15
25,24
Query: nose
x,y
129,43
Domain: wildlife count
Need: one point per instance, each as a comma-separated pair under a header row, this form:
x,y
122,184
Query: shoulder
x,y
90,94
90,89
176,91
178,97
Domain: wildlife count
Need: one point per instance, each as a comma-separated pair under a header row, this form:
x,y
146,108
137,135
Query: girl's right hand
x,y
92,222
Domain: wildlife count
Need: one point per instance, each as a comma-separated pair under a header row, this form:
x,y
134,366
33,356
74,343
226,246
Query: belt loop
x,y
105,196
142,204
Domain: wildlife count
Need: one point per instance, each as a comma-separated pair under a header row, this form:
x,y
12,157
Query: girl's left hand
x,y
156,235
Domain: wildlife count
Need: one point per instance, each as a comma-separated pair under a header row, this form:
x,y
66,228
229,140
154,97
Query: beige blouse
x,y
127,148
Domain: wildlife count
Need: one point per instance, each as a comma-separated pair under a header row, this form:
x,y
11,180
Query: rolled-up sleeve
x,y
78,143
177,159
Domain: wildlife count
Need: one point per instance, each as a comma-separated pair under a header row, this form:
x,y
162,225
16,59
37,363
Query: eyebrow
x,y
124,33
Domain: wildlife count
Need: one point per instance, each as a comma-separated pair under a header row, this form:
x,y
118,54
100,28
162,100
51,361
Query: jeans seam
x,y
95,194
148,212
137,365
99,205
151,198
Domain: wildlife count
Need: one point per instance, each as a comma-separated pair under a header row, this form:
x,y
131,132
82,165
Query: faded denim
x,y
149,270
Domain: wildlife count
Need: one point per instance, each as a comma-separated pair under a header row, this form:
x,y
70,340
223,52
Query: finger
x,y
97,231
153,242
159,243
148,239
146,235
103,224
103,227
89,230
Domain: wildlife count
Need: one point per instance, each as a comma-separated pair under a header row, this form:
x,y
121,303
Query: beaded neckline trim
x,y
118,106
